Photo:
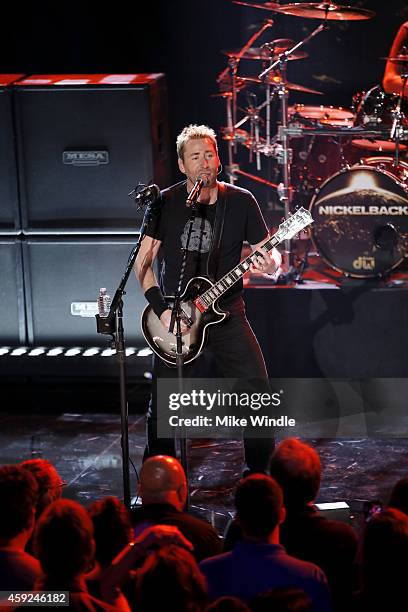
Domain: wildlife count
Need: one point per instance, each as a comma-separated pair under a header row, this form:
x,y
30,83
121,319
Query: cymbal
x,y
267,6
241,137
226,88
263,53
325,10
379,146
274,80
397,58
222,94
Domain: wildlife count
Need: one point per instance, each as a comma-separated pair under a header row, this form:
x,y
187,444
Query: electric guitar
x,y
198,302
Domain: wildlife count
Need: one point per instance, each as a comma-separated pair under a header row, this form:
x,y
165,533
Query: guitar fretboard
x,y
207,298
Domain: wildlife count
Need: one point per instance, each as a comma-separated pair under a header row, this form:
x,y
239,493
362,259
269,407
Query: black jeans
x,y
237,354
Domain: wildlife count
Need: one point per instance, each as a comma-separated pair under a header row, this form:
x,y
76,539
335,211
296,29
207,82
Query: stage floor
x,y
85,448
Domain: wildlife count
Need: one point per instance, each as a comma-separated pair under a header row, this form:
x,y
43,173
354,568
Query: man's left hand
x,y
268,263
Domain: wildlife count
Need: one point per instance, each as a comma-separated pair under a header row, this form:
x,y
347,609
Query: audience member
x,y
282,600
399,496
384,563
170,580
258,562
49,482
112,528
228,604
121,568
163,490
65,546
18,495
305,533
112,532
282,544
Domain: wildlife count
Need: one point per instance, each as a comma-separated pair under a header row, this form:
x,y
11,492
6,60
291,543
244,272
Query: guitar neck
x,y
207,298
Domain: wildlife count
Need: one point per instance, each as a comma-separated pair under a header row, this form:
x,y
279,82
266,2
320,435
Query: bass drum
x,y
361,218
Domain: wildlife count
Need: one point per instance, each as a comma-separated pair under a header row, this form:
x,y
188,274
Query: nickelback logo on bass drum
x,y
363,210
361,218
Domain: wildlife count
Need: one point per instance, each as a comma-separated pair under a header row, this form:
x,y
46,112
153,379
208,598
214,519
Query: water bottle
x,y
104,303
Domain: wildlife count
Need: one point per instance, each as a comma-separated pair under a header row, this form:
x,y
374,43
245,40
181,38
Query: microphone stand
x,y
112,325
176,317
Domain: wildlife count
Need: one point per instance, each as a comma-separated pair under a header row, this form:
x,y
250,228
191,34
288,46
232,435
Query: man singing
x,y
232,342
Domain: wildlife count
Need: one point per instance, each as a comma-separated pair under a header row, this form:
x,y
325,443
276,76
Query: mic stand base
x,y
124,408
113,325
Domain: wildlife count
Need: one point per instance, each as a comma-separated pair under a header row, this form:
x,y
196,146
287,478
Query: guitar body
x,y
163,343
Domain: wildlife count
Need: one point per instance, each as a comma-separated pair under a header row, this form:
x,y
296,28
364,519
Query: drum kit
x,y
346,165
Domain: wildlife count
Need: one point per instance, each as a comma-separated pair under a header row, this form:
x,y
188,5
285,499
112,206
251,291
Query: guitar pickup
x,y
187,320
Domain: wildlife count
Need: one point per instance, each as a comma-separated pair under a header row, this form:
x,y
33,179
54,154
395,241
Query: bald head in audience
x,y
162,480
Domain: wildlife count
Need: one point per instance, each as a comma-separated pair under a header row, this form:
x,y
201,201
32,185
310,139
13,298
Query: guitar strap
x,y
214,255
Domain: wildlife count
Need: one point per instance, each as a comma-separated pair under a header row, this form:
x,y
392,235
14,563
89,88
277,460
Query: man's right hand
x,y
162,535
165,319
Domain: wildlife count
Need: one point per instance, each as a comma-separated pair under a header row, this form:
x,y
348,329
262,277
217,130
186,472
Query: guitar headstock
x,y
293,224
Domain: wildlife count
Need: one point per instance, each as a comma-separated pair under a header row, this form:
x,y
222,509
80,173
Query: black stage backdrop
x,y
184,39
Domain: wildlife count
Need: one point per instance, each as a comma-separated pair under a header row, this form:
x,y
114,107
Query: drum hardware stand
x,y
230,124
233,64
228,99
268,103
285,189
235,170
256,110
397,126
254,120
304,264
344,165
232,101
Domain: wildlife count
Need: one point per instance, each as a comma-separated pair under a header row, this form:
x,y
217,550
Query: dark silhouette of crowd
x,y
280,554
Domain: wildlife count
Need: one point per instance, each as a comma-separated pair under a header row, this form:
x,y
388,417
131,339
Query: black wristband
x,y
156,300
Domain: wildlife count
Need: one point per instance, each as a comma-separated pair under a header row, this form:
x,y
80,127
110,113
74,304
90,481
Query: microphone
x,y
145,195
195,192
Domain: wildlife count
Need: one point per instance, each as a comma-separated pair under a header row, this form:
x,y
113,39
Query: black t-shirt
x,y
201,534
243,222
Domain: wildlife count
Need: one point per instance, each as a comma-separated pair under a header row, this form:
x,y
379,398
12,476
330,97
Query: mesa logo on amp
x,y
85,158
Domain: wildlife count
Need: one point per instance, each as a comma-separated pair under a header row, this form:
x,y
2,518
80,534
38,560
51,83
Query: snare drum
x,y
335,116
361,218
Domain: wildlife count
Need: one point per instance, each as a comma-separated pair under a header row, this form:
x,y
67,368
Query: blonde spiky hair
x,y
194,132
